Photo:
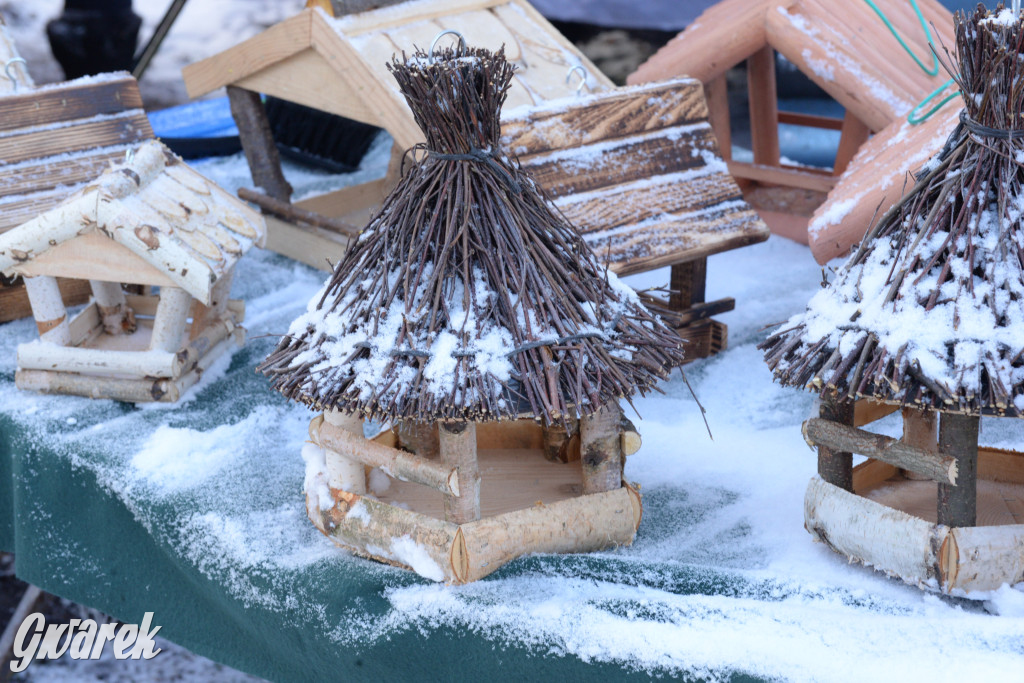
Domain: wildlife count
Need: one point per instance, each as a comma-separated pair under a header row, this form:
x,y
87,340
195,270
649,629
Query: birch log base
x,y
526,504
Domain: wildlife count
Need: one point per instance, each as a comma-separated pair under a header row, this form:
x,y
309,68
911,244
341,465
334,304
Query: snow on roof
x,y
165,213
930,310
468,297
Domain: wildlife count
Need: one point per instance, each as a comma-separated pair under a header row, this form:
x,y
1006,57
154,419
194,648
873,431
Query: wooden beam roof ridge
x,y
723,35
280,41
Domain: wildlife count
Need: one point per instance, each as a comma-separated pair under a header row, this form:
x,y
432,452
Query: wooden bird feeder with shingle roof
x,y
148,221
53,140
471,315
636,169
843,47
928,316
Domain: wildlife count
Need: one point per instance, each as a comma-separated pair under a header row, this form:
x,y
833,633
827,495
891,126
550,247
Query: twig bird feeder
x,y
149,221
469,300
928,315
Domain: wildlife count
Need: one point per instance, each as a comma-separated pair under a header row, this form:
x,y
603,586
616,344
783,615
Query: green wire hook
x,y
915,117
934,70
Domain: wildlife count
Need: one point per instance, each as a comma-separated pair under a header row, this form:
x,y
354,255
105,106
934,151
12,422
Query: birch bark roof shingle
x,y
929,311
166,214
469,297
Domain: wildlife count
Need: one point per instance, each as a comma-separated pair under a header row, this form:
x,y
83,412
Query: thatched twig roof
x,y
469,297
929,311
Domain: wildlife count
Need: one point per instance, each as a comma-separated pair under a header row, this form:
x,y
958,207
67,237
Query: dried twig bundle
x,y
929,310
469,296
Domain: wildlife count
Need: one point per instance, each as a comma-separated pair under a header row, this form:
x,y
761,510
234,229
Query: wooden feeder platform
x,y
528,503
945,523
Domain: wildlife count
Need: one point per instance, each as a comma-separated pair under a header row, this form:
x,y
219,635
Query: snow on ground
x,y
722,577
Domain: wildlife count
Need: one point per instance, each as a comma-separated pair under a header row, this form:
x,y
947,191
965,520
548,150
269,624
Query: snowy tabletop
x,y
195,511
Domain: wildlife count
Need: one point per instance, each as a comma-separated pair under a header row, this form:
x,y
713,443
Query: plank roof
x,y
638,171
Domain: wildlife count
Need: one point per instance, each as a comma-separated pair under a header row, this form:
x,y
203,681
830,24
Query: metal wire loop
x,y
7,70
442,34
583,78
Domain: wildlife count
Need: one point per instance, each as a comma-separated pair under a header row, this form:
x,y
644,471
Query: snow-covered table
x,y
195,512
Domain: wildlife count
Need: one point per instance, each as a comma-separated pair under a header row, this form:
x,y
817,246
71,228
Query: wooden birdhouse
x,y
845,48
149,221
508,438
927,317
53,140
337,65
648,152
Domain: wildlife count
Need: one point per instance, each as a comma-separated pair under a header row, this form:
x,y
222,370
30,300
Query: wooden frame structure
x,y
844,48
455,502
337,65
53,140
151,221
666,199
875,513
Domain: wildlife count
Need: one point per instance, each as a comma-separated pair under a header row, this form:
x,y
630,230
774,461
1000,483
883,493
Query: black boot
x,y
94,36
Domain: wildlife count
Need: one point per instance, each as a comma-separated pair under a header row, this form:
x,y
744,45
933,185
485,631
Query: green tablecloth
x,y
195,512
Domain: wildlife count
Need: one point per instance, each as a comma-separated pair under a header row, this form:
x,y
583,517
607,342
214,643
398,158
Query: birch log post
x,y
845,438
171,316
556,440
458,451
115,314
343,472
835,466
203,315
958,438
601,449
48,309
920,430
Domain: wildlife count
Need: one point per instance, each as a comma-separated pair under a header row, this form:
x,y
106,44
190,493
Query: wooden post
x,y
556,440
258,142
48,309
458,450
345,473
716,92
688,284
169,322
958,438
601,449
764,106
854,134
115,313
419,437
836,467
920,429
203,315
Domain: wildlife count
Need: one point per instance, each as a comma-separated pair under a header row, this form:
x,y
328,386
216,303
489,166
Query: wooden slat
x,y
998,464
702,311
68,102
569,171
631,203
787,176
871,473
810,120
703,339
388,17
672,241
592,120
48,174
867,411
77,137
255,54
